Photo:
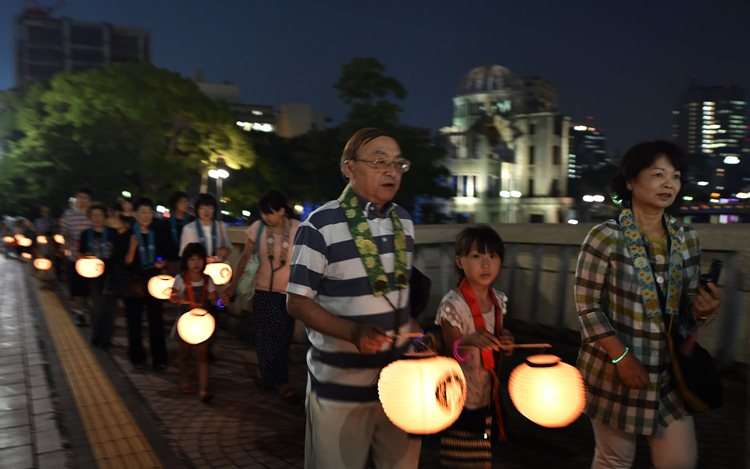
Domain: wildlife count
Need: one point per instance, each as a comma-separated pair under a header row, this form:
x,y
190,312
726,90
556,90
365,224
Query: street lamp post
x,y
219,174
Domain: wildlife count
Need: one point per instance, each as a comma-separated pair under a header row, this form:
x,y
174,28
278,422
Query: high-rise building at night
x,y
507,150
46,45
588,151
710,122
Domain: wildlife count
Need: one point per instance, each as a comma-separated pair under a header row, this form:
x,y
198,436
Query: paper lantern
x,y
160,286
196,326
219,272
43,264
41,239
10,240
26,256
547,391
59,239
422,395
89,267
23,241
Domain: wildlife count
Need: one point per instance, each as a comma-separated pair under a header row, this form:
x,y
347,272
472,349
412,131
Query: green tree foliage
x,y
131,126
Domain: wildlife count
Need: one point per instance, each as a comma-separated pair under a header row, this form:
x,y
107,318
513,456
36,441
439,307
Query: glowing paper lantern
x,y
89,267
547,391
41,239
42,264
219,272
9,240
23,241
26,256
160,286
59,239
196,326
422,395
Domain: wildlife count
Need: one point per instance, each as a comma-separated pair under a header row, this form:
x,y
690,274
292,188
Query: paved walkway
x,y
243,427
29,427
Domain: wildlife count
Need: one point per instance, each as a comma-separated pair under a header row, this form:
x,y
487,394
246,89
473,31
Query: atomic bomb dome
x,y
488,79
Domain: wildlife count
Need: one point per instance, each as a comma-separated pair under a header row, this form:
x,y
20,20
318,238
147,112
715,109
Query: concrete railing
x,y
539,267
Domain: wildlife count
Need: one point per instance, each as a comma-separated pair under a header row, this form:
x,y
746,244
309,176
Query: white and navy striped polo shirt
x,y
326,267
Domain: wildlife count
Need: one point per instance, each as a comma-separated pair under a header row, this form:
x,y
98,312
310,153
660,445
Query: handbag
x,y
694,372
246,283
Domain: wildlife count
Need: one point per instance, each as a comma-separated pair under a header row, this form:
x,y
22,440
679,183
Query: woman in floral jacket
x,y
634,276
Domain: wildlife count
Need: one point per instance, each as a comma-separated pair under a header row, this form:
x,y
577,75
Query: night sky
x,y
625,65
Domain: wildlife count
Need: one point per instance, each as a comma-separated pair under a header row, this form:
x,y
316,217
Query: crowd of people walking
x,y
346,273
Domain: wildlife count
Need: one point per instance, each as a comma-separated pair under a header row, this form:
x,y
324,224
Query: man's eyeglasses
x,y
401,165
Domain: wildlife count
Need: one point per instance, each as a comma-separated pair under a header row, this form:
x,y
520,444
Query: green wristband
x,y
617,360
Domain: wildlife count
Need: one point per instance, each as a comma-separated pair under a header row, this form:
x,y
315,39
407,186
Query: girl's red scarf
x,y
488,357
191,293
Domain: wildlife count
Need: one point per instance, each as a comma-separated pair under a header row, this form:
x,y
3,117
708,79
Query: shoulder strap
x,y
258,236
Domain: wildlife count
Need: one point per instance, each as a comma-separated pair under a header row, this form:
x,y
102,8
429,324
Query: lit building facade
x,y
588,151
507,150
710,122
45,45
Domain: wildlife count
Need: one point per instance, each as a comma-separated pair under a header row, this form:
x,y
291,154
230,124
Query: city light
x,y
588,198
126,194
731,160
246,213
702,183
515,194
572,221
259,126
743,195
161,208
225,212
504,194
298,209
580,128
687,198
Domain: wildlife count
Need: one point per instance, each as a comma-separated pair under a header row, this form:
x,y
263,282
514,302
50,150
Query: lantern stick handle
x,y
408,335
513,346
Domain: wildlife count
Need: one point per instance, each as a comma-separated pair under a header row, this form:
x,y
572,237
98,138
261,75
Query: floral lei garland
x,y
368,250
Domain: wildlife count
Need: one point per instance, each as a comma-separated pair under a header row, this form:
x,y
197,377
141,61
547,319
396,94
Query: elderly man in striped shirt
x,y
349,284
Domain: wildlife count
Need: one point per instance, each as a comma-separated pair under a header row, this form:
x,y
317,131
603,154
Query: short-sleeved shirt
x,y
179,287
326,267
280,272
455,311
73,223
190,235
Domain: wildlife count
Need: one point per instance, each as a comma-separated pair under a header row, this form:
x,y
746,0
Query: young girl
x,y
471,318
193,289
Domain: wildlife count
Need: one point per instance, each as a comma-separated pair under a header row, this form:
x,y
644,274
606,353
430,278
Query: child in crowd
x,y
193,289
471,319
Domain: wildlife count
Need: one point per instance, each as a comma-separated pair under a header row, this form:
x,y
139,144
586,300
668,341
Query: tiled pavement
x,y
249,428
30,431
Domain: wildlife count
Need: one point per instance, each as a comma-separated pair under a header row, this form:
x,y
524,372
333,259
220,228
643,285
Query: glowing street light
x,y
702,183
126,194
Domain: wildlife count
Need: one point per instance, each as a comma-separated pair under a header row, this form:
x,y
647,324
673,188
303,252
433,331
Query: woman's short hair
x,y
192,249
176,197
141,202
640,157
481,237
206,200
274,200
96,206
